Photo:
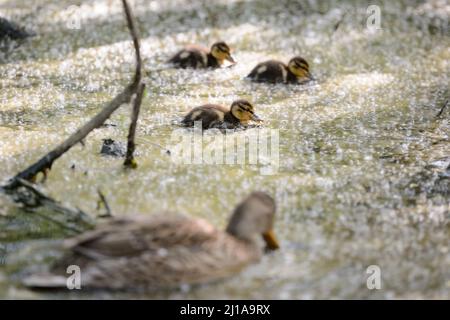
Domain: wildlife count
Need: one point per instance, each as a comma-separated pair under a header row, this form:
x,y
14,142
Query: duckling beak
x,y
271,241
310,77
230,58
256,118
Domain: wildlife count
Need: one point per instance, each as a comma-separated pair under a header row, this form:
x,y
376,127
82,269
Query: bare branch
x,y
442,109
45,163
102,199
131,23
130,162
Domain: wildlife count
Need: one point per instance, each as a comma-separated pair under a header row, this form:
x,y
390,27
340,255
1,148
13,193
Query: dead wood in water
x,y
45,163
31,199
130,162
22,190
102,201
442,109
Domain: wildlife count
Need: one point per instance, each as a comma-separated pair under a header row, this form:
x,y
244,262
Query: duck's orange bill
x,y
271,241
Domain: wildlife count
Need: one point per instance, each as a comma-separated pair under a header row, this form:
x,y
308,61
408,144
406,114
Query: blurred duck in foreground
x,y
166,251
217,116
198,57
273,71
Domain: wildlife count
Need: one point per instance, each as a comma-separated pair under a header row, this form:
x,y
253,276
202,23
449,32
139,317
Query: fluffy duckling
x,y
217,116
198,57
166,251
273,71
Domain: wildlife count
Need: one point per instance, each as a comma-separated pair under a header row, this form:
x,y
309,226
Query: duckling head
x,y
244,111
253,218
221,51
299,67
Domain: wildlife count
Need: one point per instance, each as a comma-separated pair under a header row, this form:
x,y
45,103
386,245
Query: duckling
x,y
198,57
167,250
217,116
273,71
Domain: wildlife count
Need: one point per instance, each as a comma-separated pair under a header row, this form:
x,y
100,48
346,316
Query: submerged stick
x,y
32,198
102,200
442,109
130,162
339,22
45,163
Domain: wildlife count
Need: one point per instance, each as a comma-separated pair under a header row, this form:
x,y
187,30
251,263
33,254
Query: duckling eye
x,y
223,49
300,65
246,110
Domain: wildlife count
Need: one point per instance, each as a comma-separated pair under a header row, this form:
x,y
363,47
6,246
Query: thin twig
x,y
442,109
338,24
130,162
105,204
131,23
45,163
147,141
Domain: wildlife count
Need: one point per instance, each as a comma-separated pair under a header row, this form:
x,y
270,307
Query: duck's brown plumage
x,y
211,116
217,116
197,57
164,250
274,71
128,253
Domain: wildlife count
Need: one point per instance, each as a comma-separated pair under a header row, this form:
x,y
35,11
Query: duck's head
x,y
244,111
253,218
221,51
300,68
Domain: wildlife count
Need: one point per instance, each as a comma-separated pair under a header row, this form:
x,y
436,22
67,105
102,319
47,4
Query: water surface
x,y
362,179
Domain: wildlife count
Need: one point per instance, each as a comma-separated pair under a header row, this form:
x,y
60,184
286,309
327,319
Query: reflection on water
x,y
360,179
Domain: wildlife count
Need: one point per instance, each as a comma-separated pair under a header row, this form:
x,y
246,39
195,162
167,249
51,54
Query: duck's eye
x,y
224,49
301,66
246,108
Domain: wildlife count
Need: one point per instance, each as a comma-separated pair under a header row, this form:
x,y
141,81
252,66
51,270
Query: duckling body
x,y
195,57
274,71
217,116
198,57
211,116
166,250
